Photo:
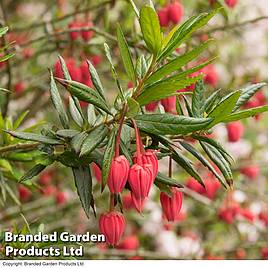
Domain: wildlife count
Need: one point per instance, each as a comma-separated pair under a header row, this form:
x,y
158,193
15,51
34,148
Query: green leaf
x,y
188,106
3,30
218,159
64,68
57,102
96,79
185,31
202,159
125,54
178,62
211,102
224,108
34,137
198,99
108,157
245,114
83,183
134,8
178,106
94,138
78,140
168,124
32,172
161,178
85,93
141,67
133,107
163,89
91,116
247,93
67,133
19,120
78,119
185,163
6,57
151,30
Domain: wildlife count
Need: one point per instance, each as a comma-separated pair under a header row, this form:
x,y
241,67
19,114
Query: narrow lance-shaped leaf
x,y
94,138
78,140
83,183
57,102
32,172
96,79
211,102
247,93
91,116
125,54
78,119
167,181
34,137
167,124
151,30
107,158
178,62
198,99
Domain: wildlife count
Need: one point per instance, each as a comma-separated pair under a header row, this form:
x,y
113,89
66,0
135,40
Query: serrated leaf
x,y
202,159
32,172
164,89
218,159
34,137
85,93
177,63
224,108
57,102
93,139
198,99
96,79
185,31
107,158
247,93
151,30
245,114
125,54
78,119
83,183
167,124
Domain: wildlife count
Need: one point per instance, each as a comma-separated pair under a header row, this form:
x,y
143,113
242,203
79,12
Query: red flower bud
x,y
163,17
19,87
96,60
112,225
169,104
45,178
97,172
228,213
264,253
118,174
212,187
171,205
264,218
49,190
194,185
129,243
250,171
231,3
247,214
175,12
211,76
240,254
235,131
72,26
87,35
61,198
24,193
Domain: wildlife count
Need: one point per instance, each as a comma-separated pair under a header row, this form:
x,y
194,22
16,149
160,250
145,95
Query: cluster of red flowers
x,y
170,14
48,188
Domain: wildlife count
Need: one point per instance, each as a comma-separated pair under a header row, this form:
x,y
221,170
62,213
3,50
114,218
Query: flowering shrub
x,y
161,118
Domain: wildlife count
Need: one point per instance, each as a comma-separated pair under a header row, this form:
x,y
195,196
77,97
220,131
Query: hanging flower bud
x,y
231,3
19,87
141,179
171,205
112,225
118,174
250,171
87,35
73,26
129,243
163,17
235,131
24,193
175,12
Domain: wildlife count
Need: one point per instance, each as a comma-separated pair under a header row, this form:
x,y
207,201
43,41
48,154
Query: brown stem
x,y
111,202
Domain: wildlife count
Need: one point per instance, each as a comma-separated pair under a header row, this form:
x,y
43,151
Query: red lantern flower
x,y
175,12
235,131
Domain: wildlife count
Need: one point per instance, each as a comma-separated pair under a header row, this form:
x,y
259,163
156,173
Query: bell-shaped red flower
x,y
235,131
171,205
175,12
130,242
97,172
138,203
112,225
118,174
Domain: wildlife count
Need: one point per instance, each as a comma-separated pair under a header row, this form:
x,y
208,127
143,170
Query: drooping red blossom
x,y
251,171
264,253
118,175
171,205
175,12
112,225
96,60
194,185
45,178
240,254
247,214
73,26
130,242
169,104
96,172
151,107
87,35
24,193
228,213
49,190
212,186
61,198
211,76
235,131
231,3
138,202
163,17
